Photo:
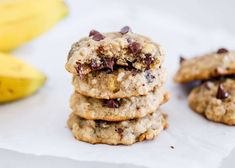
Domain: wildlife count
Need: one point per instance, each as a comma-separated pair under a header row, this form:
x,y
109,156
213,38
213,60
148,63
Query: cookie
x,y
215,100
208,66
109,51
114,133
118,109
119,84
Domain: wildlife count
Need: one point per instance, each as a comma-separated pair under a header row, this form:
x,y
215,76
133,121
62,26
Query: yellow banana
x,y
17,79
22,20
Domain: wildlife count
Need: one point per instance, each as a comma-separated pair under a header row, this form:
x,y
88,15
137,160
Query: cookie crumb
x,y
222,51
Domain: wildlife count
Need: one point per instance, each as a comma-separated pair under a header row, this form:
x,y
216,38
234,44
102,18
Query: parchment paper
x,y
37,124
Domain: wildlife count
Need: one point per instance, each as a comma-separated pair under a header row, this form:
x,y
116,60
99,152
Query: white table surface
x,y
210,14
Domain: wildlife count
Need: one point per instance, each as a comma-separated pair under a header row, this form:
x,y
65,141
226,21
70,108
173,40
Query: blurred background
x,y
44,39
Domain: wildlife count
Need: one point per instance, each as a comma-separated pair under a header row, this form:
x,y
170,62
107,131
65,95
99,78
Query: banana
x,y
17,79
23,20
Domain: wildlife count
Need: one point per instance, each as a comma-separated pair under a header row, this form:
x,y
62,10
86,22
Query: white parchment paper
x,y
38,124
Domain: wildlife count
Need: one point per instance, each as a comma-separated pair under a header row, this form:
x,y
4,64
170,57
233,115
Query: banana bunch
x,y
17,79
22,20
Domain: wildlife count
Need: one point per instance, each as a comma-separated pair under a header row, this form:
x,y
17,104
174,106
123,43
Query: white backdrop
x,y
37,124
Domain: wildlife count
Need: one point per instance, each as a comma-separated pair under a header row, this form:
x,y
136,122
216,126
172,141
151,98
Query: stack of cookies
x,y
214,94
119,85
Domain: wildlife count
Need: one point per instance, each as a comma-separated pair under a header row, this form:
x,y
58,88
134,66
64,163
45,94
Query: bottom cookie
x,y
215,100
114,133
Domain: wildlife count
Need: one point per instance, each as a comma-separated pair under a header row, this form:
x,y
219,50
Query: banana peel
x,y
23,20
18,79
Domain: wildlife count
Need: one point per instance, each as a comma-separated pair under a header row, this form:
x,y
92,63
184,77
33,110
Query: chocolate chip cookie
x,y
120,83
123,132
207,66
118,109
216,100
109,51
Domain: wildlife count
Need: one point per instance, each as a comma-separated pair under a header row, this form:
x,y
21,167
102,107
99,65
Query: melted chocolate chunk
x,y
105,63
109,63
125,30
150,78
98,36
93,32
221,93
79,69
182,59
148,60
112,103
134,48
222,50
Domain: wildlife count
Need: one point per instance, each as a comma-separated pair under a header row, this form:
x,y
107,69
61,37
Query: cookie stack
x,y
214,94
119,85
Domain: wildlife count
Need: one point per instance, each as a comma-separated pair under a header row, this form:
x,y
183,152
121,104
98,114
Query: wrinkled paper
x,y
37,124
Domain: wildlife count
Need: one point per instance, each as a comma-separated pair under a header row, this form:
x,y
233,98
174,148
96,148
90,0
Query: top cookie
x,y
205,67
108,51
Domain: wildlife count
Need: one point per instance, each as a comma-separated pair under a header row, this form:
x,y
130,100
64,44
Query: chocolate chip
x,y
129,40
98,37
109,63
182,59
105,63
148,60
134,48
112,103
172,147
150,78
222,50
119,130
221,93
93,32
79,69
125,30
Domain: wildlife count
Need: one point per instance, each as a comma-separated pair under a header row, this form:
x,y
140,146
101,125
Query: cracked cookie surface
x,y
205,67
215,100
118,109
114,133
